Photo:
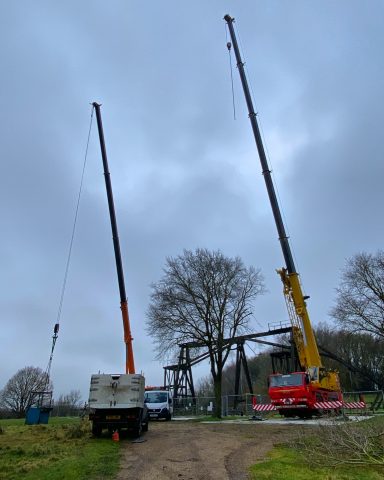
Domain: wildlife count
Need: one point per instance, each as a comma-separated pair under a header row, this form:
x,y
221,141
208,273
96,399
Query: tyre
x,y
145,422
96,429
139,426
137,430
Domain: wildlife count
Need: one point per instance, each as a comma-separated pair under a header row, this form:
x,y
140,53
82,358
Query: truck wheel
x,y
96,429
144,423
137,430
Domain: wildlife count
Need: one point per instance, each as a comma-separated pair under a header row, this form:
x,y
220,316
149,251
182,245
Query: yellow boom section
x,y
302,330
303,335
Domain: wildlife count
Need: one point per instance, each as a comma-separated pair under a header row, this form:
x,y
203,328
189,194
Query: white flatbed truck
x,y
116,402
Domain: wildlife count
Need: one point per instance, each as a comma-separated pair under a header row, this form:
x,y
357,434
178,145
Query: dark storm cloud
x,y
184,173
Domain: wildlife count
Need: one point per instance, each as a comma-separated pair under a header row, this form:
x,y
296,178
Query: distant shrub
x,y
6,414
78,430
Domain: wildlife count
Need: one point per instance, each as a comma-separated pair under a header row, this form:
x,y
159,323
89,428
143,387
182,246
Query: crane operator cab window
x,y
291,380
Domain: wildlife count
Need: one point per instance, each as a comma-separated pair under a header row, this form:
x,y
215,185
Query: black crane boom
x,y
283,238
129,363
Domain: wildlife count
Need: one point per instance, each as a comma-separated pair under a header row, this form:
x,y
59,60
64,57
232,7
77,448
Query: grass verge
x,y
287,464
62,449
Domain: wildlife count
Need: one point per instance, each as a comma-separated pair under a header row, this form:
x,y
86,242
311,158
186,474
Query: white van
x,y
159,403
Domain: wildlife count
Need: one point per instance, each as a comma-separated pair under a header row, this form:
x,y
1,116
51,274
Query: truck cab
x,y
295,394
159,403
290,394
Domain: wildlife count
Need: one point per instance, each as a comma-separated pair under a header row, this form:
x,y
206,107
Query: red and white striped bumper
x,y
267,407
337,404
328,405
354,405
263,407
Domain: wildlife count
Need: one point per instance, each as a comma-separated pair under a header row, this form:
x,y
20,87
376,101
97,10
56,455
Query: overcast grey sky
x,y
184,173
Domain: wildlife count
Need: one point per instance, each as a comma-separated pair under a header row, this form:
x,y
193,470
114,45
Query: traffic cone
x,y
115,436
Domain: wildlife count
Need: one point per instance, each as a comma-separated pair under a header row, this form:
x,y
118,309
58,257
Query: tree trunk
x,y
217,389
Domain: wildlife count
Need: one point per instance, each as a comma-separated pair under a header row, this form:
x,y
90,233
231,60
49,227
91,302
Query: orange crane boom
x,y
129,360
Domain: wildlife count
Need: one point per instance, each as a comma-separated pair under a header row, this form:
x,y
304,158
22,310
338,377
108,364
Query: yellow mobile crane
x,y
314,388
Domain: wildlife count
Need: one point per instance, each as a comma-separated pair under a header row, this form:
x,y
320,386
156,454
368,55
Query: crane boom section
x,y
302,331
303,334
283,238
129,360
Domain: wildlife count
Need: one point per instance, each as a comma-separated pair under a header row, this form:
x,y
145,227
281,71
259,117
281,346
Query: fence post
x,y
224,405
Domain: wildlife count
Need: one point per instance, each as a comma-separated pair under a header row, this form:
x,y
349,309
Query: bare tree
x,y
360,297
68,404
20,391
205,387
362,353
203,297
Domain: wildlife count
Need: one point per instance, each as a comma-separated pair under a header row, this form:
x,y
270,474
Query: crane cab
x,y
294,394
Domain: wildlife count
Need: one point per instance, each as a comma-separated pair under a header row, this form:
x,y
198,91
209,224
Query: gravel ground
x,y
185,450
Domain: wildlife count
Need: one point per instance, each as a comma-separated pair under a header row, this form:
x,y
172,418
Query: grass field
x,y
62,449
286,463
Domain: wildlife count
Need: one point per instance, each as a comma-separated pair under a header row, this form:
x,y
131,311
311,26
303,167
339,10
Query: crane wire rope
x,y
270,164
63,288
229,47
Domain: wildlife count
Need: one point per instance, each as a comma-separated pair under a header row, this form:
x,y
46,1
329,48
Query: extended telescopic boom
x,y
304,338
263,159
129,363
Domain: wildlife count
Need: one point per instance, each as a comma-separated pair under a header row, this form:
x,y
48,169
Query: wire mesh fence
x,y
374,399
242,405
193,406
231,405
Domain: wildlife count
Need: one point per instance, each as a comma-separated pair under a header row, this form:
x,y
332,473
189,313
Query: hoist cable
x,y
56,329
74,224
229,45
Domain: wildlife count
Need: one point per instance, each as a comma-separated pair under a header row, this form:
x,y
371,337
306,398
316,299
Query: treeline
x,y
362,351
24,390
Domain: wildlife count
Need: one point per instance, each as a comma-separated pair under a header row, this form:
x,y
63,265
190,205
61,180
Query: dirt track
x,y
185,450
